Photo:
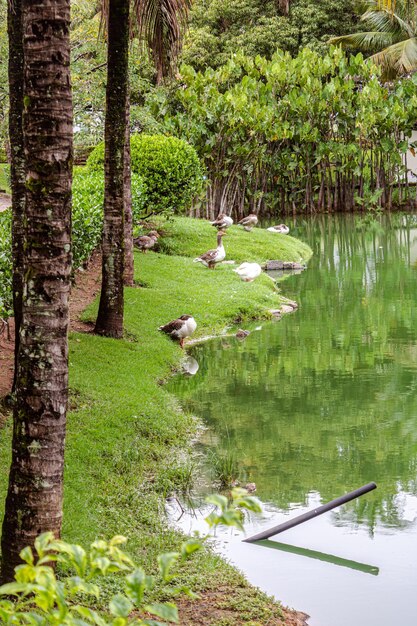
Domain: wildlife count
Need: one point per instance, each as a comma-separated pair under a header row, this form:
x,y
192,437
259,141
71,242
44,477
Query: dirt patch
x,y
86,287
5,201
229,606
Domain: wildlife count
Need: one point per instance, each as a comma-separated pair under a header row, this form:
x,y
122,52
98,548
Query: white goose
x,y
248,271
180,328
280,228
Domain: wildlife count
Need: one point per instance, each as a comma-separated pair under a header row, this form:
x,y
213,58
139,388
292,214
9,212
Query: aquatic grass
x,y
224,465
127,430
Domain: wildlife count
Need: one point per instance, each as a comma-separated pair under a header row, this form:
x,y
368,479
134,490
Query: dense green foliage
x,y
220,28
87,220
313,132
87,211
5,264
4,89
169,167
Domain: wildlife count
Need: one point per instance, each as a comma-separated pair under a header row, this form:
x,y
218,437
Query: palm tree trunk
x,y
34,499
110,314
17,159
284,7
129,258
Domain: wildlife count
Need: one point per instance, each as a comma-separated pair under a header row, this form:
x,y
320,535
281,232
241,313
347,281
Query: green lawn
x,y
128,440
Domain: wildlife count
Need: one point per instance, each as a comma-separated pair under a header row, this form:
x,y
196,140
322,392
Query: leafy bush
x,y
87,220
170,169
87,210
43,600
6,264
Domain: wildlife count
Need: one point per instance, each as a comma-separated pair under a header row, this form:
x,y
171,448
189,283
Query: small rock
x,y
284,265
242,334
250,487
276,313
286,308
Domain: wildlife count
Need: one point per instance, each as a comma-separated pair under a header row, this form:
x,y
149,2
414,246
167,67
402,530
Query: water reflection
x,y
325,400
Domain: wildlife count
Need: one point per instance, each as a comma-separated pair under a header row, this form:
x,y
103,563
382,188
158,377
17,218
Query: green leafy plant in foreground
x,y
44,600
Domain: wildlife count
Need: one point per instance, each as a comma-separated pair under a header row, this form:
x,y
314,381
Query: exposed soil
x,y
5,201
85,289
213,608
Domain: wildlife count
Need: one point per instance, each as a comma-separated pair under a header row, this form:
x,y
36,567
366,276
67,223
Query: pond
x,y
316,405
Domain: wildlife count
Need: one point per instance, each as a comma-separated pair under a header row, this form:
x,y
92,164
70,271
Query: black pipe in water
x,y
310,514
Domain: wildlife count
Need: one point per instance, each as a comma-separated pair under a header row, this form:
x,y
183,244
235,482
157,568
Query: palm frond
x,y
387,22
402,56
364,41
160,25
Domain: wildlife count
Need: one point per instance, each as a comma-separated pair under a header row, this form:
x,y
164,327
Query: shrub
x,y
87,210
6,264
170,169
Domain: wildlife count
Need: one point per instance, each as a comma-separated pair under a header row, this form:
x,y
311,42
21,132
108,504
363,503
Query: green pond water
x,y
315,405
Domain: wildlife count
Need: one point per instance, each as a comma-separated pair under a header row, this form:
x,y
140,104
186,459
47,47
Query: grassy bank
x,y
127,437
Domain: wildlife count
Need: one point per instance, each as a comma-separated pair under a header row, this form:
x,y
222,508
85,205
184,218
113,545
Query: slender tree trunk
x,y
17,159
34,499
284,6
110,314
128,226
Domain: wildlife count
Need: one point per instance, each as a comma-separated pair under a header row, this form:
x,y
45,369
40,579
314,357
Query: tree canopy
x,y
219,28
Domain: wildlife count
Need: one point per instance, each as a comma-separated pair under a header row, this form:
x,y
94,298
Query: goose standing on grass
x,y
222,221
249,222
210,258
180,328
280,228
248,271
146,242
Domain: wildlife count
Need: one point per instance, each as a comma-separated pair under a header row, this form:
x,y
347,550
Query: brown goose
x,y
180,328
222,221
210,258
249,221
146,242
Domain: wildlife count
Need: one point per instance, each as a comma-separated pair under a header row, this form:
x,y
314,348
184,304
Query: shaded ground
x,y
5,201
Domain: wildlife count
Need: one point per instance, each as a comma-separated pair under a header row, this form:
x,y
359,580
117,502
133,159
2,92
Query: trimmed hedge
x,y
87,221
169,167
87,210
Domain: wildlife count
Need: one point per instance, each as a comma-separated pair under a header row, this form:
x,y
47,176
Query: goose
x,y
146,242
210,258
242,334
249,222
180,328
280,228
248,271
222,221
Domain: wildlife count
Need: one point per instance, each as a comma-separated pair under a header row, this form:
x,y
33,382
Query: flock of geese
x,y
185,325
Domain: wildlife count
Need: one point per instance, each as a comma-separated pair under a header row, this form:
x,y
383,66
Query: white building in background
x,y
412,159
